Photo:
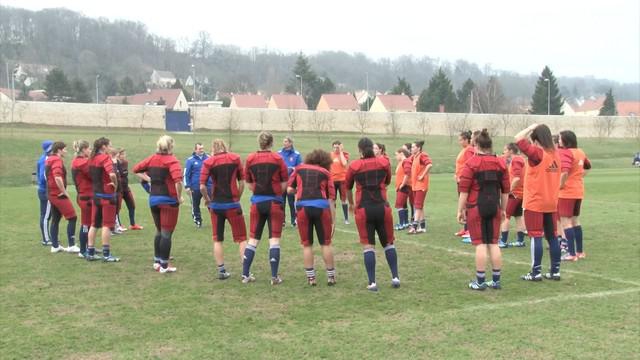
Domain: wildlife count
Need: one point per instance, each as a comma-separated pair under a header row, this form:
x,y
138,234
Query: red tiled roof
x,y
340,101
35,95
397,102
591,105
249,101
289,101
628,108
170,96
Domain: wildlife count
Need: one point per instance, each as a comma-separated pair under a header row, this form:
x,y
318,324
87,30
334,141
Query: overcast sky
x,y
575,38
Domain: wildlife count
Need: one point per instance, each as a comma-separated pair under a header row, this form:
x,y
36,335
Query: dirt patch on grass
x,y
91,356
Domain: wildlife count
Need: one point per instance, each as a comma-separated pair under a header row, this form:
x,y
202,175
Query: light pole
x,y
548,95
97,79
193,69
300,77
368,102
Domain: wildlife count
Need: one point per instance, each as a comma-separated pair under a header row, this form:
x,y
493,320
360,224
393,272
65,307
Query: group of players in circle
x,y
491,190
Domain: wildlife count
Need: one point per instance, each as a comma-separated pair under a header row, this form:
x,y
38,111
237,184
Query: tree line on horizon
x,y
124,54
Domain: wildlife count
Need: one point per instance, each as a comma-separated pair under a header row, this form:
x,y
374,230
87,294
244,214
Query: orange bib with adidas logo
x,y
542,184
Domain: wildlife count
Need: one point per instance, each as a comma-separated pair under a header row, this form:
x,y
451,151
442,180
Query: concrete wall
x,y
417,124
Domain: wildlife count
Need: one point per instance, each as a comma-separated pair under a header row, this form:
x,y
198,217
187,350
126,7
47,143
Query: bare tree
x,y
505,121
5,110
455,124
292,120
232,125
362,122
604,126
393,124
520,122
492,125
424,125
321,122
262,118
632,126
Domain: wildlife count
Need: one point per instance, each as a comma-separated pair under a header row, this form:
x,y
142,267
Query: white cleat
x,y
58,249
73,249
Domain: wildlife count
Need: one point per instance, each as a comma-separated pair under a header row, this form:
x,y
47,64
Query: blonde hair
x,y
79,146
164,145
265,140
218,146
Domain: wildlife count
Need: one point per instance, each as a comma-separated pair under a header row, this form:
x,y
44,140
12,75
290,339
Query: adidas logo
x,y
553,167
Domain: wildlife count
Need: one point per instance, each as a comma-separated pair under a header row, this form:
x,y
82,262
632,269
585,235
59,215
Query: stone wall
x,y
135,116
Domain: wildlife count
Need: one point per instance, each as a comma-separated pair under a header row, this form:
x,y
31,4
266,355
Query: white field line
x,y
427,244
559,298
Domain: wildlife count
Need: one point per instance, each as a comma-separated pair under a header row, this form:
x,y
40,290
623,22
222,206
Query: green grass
x,y
57,306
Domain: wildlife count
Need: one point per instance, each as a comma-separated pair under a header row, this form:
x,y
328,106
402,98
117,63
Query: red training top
x,y
54,166
481,162
371,177
312,182
267,170
100,166
225,170
164,171
81,176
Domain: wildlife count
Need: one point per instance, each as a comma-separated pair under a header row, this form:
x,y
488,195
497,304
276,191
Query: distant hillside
x,y
84,47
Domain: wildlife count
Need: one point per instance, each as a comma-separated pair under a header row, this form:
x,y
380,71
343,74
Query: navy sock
x,y
345,211
571,241
71,231
504,237
554,251
84,236
55,226
221,269
132,216
392,259
480,276
423,224
91,250
370,264
106,250
577,231
274,259
465,227
495,275
521,236
249,253
536,254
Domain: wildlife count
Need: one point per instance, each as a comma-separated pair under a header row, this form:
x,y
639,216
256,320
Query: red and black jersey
x,y
54,167
225,170
371,177
123,180
100,166
481,162
164,171
267,171
312,182
81,176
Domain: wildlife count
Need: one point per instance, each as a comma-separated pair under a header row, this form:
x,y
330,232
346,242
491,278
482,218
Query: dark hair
x,y
542,134
318,157
58,145
383,149
196,145
265,140
98,144
466,135
569,139
483,140
365,145
419,143
556,139
474,136
513,148
404,151
408,146
337,142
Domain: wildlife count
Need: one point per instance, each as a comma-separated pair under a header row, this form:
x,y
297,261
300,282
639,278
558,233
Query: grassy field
x,y
57,306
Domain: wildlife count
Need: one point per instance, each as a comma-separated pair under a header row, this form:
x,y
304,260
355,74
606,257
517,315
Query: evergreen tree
x,y
302,72
464,95
79,92
141,88
323,85
609,106
57,85
127,87
439,92
546,88
24,93
402,87
178,85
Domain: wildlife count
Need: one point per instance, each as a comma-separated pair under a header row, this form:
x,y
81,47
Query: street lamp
x,y
193,69
97,79
548,95
300,77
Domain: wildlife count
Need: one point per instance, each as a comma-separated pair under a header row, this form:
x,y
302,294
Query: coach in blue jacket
x,y
45,206
192,168
292,158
